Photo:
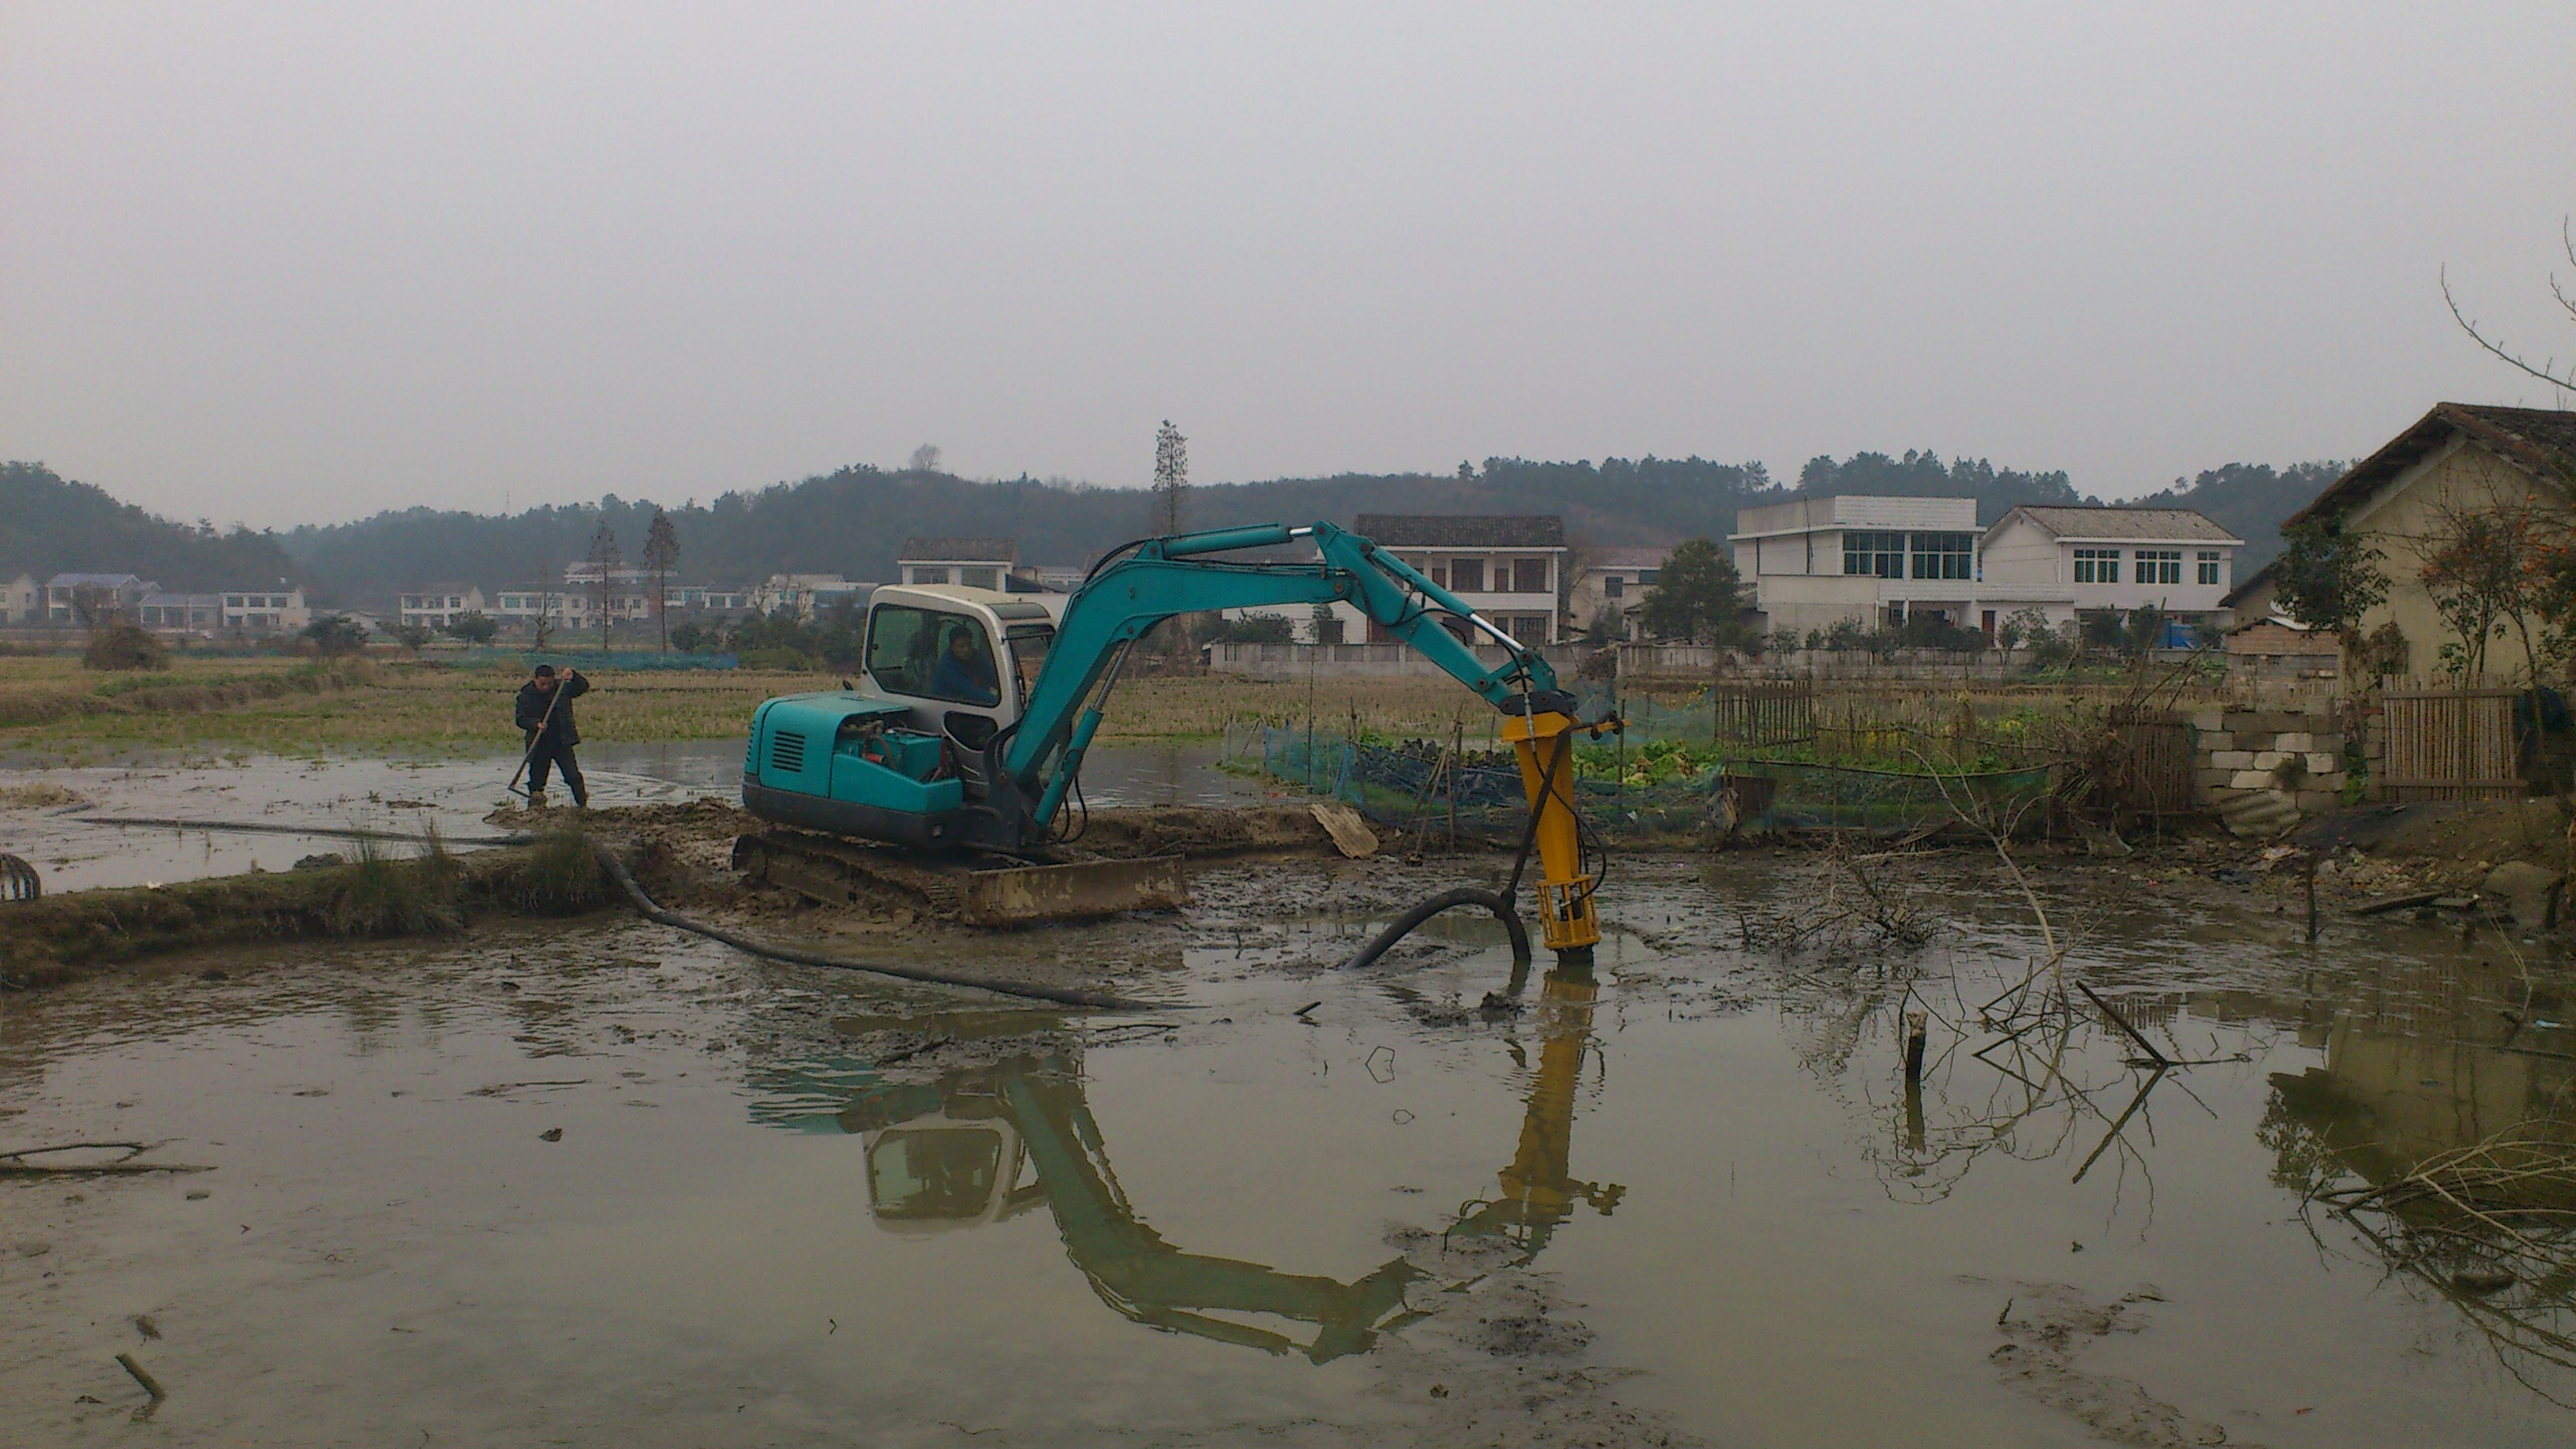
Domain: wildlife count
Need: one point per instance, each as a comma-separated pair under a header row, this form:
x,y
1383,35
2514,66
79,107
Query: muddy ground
x,y
592,1181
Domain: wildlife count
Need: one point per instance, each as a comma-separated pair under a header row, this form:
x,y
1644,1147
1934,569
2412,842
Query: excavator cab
x,y
961,660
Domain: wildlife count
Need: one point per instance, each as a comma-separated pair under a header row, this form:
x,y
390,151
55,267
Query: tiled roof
x,y
1002,550
2146,525
1461,530
2540,441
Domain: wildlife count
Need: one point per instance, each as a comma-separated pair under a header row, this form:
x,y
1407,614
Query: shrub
x,y
389,896
124,644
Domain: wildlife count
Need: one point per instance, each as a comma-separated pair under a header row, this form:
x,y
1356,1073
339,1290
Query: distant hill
x,y
50,525
2250,500
852,522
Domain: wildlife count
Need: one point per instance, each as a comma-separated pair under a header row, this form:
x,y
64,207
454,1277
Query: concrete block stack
x,y
2263,769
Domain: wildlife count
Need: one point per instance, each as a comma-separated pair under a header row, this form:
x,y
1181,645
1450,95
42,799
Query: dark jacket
x,y
533,702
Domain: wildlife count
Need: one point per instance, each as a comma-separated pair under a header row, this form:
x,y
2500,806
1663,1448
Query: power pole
x,y
1171,478
605,557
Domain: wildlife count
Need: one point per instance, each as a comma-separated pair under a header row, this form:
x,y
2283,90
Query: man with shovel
x,y
545,713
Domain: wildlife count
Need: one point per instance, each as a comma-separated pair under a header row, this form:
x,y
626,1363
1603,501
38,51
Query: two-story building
x,y
1610,587
22,600
1812,563
2174,559
438,605
975,563
811,594
1508,567
68,596
280,610
168,613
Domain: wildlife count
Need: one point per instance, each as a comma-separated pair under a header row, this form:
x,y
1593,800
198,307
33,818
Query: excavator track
x,y
844,873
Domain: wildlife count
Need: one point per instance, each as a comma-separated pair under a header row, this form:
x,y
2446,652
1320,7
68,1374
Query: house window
x,y
2209,562
1646,577
1529,576
2097,566
1467,575
1614,587
979,578
1945,555
930,575
1878,554
2159,565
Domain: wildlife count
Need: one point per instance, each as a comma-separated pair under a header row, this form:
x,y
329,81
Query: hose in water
x,y
645,906
271,827
1403,925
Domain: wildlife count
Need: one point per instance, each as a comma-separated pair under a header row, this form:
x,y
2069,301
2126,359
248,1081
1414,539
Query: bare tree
x,y
604,557
2548,370
661,555
925,459
1171,478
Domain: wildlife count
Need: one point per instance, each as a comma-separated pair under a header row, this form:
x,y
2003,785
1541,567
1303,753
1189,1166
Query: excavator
x,y
988,1143
965,737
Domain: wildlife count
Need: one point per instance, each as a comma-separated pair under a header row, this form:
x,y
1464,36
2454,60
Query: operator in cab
x,y
965,672
545,714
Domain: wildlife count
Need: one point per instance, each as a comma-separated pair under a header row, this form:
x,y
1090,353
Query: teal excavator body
x,y
968,725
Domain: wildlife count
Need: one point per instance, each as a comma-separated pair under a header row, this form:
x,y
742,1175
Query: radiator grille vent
x,y
787,753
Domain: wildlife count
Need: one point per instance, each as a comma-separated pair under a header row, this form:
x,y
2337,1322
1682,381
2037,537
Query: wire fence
x,y
1441,791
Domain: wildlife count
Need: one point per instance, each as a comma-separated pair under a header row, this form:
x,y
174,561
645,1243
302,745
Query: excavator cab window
x,y
933,1173
931,654
1028,644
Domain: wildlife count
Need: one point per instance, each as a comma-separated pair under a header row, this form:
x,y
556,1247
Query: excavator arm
x,y
1167,576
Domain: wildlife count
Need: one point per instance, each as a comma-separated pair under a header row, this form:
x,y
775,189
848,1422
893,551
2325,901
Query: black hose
x,y
266,827
1403,925
644,906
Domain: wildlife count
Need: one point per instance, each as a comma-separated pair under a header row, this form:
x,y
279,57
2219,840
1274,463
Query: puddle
x,y
1687,1199
451,796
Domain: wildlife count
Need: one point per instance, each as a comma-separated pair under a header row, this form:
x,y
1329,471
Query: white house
x,y
1877,561
181,613
22,600
976,563
2175,559
115,593
267,611
437,605
1507,567
1613,582
810,594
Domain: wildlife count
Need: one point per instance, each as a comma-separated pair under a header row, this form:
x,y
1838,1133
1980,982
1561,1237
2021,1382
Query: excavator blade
x,y
1086,890
836,872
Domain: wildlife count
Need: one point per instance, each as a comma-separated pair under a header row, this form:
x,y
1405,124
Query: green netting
x,y
1406,787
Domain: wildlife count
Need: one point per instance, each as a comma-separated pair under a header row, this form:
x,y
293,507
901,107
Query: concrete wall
x,y
2237,760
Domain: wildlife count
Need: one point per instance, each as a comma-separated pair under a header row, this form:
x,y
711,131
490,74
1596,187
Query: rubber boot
x,y
536,799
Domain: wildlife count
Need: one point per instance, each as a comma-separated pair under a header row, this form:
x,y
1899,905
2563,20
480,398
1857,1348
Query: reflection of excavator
x,y
960,1152
1538,1193
953,1155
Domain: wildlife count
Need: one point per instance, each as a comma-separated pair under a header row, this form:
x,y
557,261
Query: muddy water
x,y
1684,1198
449,796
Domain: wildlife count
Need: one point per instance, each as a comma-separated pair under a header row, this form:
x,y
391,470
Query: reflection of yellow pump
x,y
952,1155
1538,1190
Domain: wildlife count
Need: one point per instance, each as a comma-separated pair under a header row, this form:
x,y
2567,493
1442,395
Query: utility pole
x,y
1171,478
605,557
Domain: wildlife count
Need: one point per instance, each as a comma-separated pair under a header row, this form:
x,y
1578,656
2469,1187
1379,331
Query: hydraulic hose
x,y
751,945
271,827
1403,925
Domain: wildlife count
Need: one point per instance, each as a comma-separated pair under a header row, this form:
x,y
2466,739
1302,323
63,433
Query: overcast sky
x,y
282,264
